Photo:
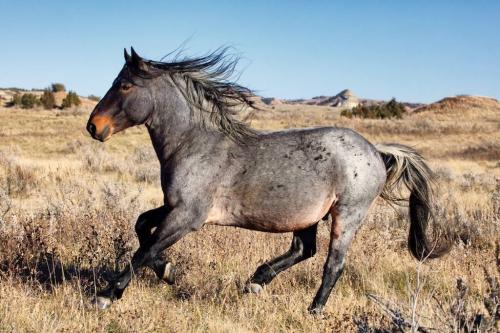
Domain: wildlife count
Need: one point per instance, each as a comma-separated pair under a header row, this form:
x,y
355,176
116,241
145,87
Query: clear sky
x,y
419,51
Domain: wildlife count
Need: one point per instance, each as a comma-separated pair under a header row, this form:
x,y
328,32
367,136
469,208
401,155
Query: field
x,y
68,205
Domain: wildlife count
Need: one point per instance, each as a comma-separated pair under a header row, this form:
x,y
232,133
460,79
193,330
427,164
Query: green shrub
x,y
48,100
391,109
94,98
70,100
57,87
29,101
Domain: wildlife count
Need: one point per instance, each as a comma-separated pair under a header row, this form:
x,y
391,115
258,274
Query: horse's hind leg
x,y
146,222
303,247
345,222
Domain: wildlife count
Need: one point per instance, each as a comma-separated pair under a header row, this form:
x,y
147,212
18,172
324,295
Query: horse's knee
x,y
297,247
150,219
139,224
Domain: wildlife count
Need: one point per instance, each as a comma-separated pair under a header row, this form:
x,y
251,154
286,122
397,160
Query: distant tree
x,y
394,109
16,89
391,109
57,87
94,98
70,100
48,99
29,101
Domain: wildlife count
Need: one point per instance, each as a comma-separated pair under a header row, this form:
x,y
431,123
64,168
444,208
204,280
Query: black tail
x,y
405,166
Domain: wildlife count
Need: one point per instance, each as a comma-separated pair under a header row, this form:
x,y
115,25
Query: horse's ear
x,y
138,62
135,56
127,56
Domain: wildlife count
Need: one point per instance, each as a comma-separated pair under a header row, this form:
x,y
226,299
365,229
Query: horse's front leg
x,y
176,223
146,222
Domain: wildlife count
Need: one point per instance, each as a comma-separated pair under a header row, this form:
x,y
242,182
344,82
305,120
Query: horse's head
x,y
127,103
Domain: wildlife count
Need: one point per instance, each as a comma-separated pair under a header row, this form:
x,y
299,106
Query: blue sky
x,y
419,51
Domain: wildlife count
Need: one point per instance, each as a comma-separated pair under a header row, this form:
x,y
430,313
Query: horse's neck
x,y
172,125
166,135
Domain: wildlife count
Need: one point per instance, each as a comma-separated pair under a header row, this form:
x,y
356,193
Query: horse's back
x,y
319,151
289,180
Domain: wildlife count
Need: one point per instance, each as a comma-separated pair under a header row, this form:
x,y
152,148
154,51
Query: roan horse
x,y
216,170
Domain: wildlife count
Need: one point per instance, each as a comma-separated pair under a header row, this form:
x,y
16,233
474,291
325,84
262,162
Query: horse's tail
x,y
407,167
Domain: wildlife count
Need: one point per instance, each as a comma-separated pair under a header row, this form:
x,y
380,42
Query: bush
x,y
94,98
16,180
391,109
70,100
16,100
29,101
57,87
48,100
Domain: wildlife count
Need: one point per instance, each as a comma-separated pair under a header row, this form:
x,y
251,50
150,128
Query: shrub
x,y
391,109
70,100
29,101
57,87
19,180
16,100
25,101
94,98
48,100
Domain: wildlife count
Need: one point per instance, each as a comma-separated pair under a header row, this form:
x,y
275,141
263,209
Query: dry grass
x,y
68,205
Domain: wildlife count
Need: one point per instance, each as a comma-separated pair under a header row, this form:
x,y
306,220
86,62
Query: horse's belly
x,y
291,216
273,215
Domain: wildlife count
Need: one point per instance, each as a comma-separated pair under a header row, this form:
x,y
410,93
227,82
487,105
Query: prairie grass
x,y
68,206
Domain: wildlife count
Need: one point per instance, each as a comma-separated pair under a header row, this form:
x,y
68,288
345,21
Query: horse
x,y
216,170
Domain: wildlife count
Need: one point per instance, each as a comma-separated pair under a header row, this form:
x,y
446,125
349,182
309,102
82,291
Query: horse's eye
x,y
126,86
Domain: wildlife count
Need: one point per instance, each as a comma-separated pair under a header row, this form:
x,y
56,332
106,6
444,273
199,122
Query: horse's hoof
x,y
169,273
316,310
102,303
253,288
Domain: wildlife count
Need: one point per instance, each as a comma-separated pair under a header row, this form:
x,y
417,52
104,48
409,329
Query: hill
x,y
346,99
452,104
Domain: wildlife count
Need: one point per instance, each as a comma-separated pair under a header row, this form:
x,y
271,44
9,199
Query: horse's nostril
x,y
91,128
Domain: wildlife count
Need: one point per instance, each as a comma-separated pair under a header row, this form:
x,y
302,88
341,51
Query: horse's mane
x,y
206,84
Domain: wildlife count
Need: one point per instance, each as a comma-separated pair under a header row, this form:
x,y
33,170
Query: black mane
x,y
206,84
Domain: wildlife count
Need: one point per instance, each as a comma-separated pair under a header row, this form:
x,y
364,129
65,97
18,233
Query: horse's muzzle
x,y
91,129
100,132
